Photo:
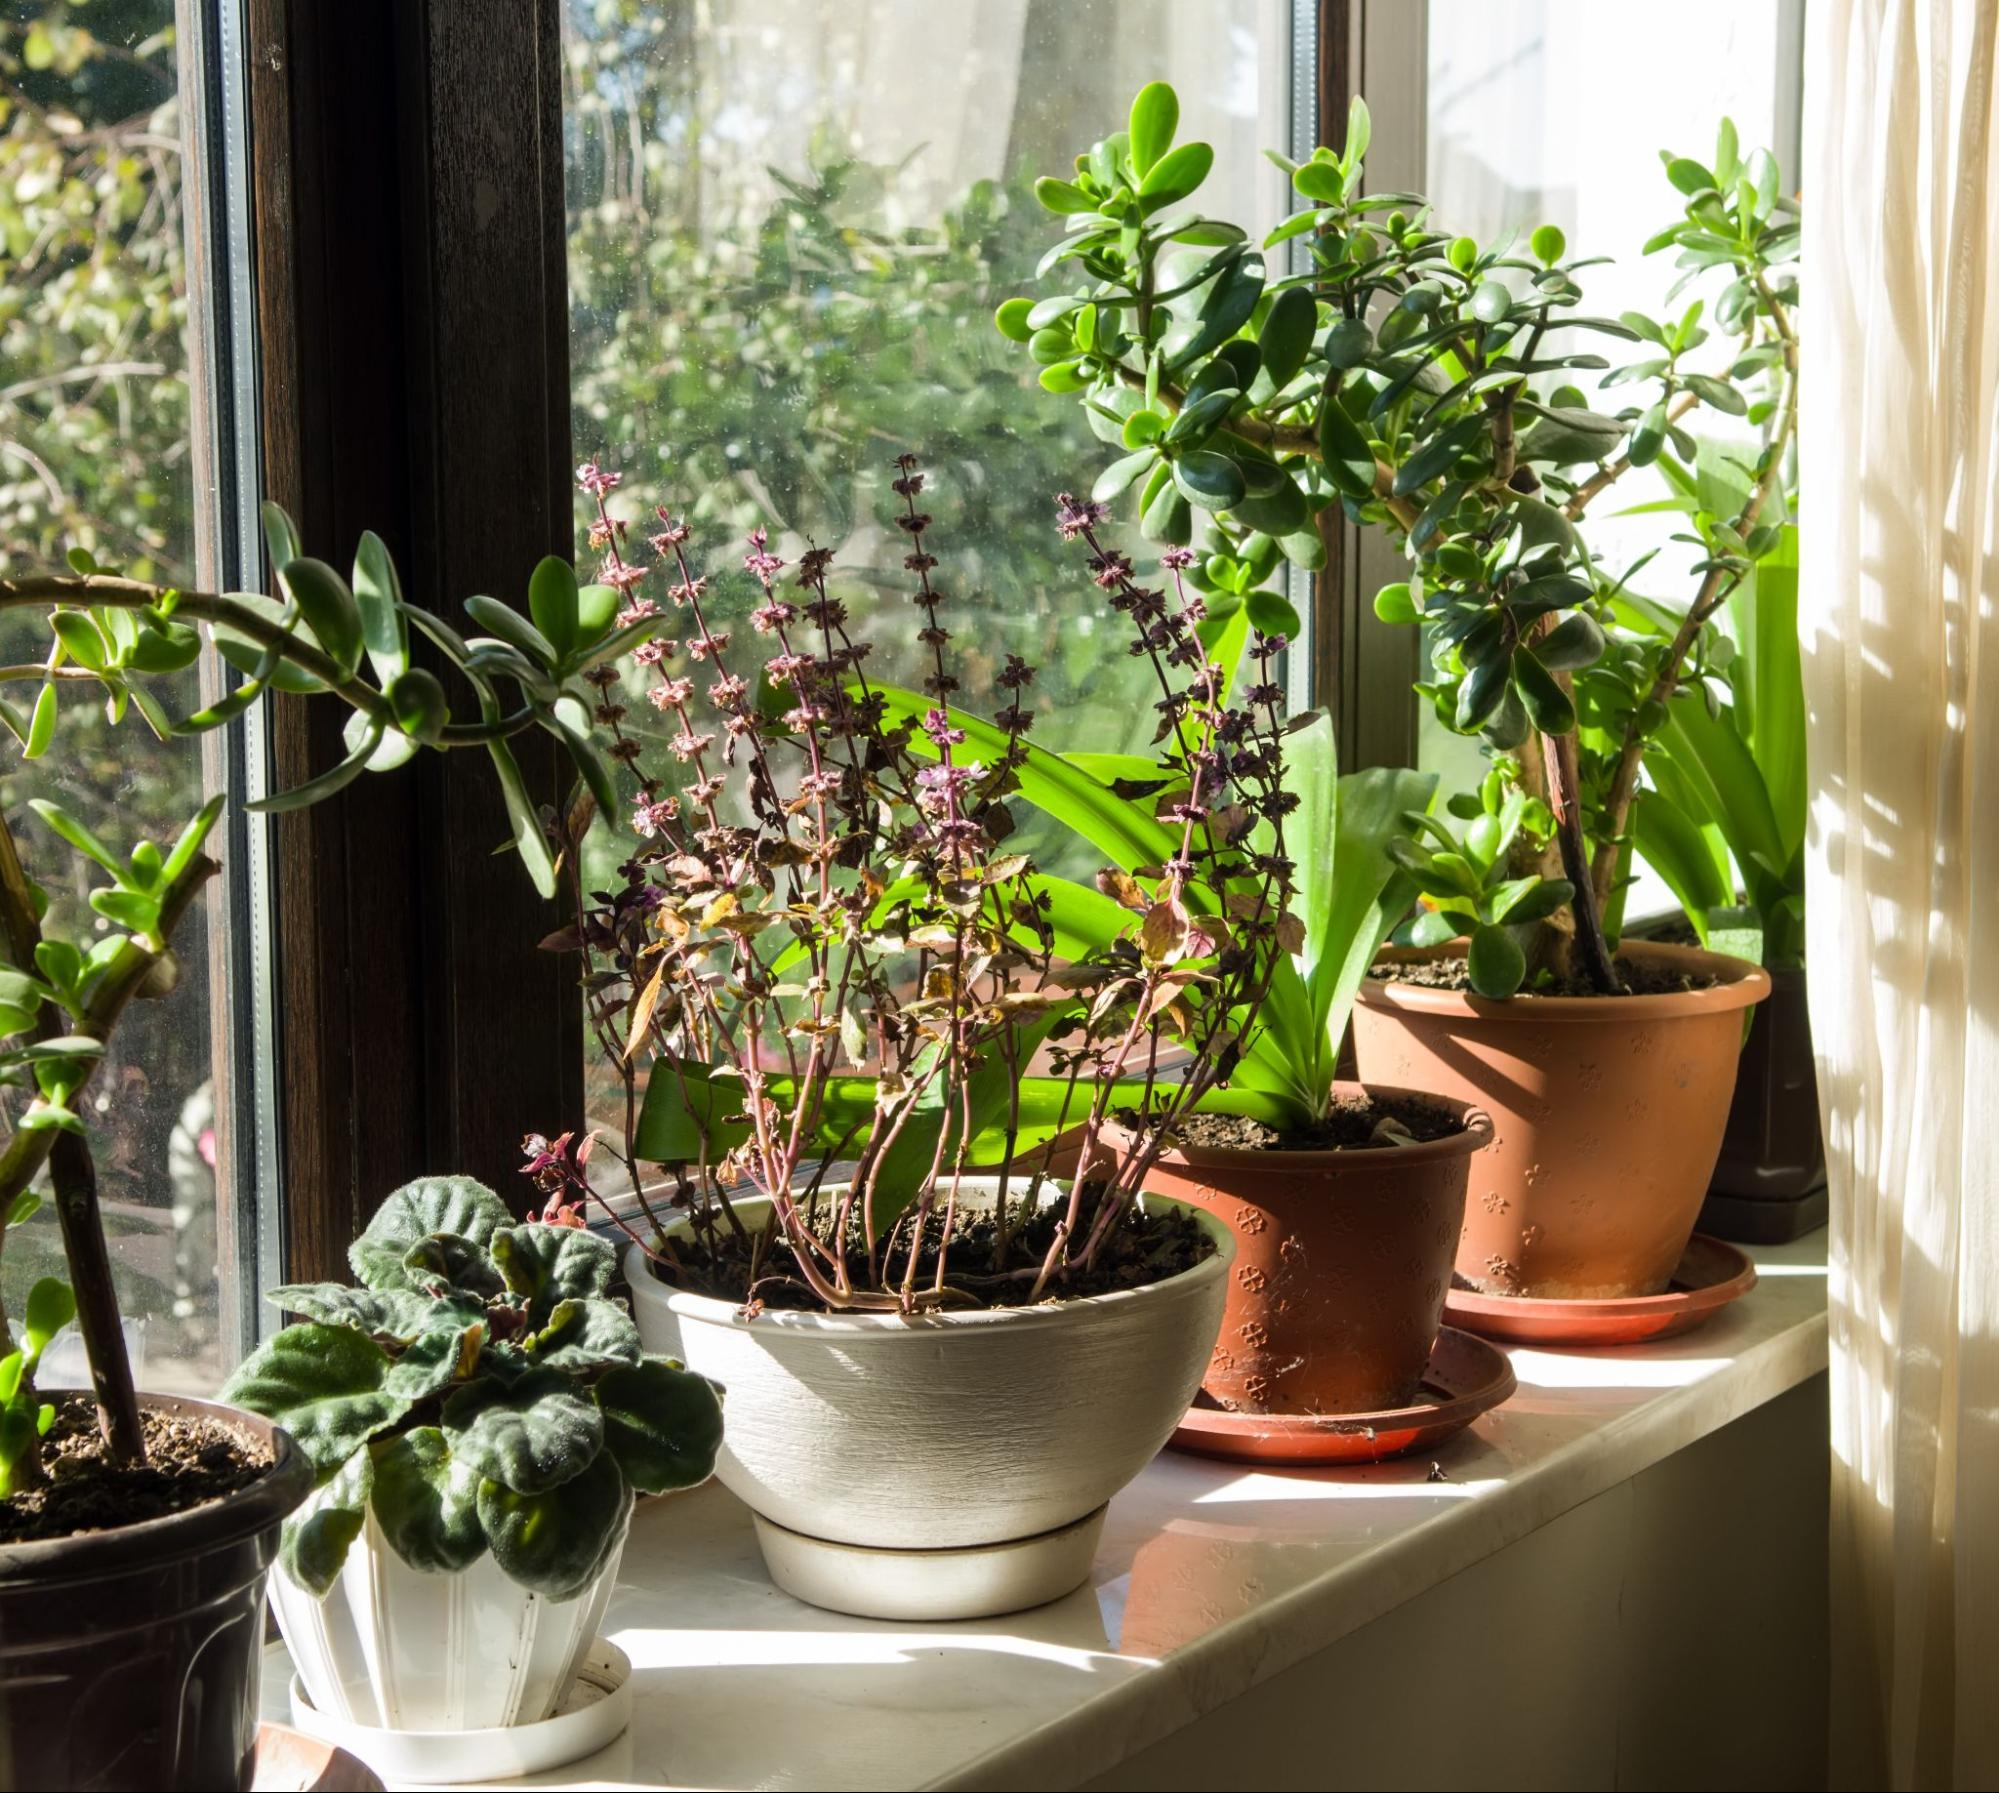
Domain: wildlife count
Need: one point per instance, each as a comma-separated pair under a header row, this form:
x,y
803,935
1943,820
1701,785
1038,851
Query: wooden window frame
x,y
412,310
408,241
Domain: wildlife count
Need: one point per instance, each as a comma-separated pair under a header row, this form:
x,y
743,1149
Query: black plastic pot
x,y
130,1658
1769,1182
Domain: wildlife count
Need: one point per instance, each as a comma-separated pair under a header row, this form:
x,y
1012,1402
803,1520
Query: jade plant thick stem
x,y
60,1001
1427,384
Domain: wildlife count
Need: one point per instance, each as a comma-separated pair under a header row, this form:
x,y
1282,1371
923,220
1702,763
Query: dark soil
x,y
1353,1124
1638,980
190,1461
1142,1248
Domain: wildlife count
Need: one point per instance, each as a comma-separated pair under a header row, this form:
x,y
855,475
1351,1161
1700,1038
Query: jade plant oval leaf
x,y
324,1385
554,1263
529,1435
556,1543
460,1205
663,1423
427,1502
1495,962
314,1541
584,1334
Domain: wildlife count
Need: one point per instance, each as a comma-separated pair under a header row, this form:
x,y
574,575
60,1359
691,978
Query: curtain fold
x,y
1900,619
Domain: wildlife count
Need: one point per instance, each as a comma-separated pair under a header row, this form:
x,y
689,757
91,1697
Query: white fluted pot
x,y
405,1649
950,1466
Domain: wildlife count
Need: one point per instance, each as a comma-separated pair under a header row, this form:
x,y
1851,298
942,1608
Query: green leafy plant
x,y
1427,383
479,1392
114,636
1722,814
1346,901
1466,883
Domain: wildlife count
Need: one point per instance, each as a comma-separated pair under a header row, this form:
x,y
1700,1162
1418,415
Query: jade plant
x,y
479,1392
830,979
1428,385
60,999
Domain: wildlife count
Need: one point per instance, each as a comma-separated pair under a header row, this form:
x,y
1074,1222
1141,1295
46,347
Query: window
x,y
1554,111
105,420
781,277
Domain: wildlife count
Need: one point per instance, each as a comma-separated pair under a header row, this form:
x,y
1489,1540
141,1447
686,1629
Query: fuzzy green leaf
x,y
314,1542
585,1334
429,1205
556,1543
324,1385
663,1423
529,1435
554,1263
427,1503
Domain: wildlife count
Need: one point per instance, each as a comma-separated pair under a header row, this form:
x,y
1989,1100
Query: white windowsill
x,y
1210,1580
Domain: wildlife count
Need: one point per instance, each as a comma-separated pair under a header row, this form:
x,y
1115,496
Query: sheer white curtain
x,y
1901,593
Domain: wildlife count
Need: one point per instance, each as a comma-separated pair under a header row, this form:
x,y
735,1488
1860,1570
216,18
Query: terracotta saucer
x,y
1711,1274
1466,1377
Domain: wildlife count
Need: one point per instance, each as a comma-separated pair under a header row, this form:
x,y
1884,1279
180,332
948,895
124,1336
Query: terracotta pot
x,y
130,1658
1343,1260
1607,1115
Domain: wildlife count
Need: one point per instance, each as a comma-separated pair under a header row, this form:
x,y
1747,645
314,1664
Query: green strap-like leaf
x,y
1116,827
379,594
1673,846
314,790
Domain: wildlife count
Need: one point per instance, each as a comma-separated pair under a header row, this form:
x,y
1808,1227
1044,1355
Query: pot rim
x,y
714,1311
1473,1136
215,1524
1742,986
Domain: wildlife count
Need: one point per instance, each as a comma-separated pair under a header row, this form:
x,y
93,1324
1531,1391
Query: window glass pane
x,y
1554,111
789,224
96,450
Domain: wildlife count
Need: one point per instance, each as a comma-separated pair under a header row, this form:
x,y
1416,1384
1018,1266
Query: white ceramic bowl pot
x,y
403,1649
950,1466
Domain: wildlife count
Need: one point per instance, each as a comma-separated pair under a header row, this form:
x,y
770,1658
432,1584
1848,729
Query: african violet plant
x,y
1427,383
480,1391
828,952
60,999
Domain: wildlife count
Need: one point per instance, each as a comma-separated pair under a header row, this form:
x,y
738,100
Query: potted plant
x,y
1423,382
831,984
1344,1201
135,1530
479,1415
1723,821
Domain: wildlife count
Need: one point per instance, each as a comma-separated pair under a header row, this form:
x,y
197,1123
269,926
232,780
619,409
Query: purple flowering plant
x,y
827,977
